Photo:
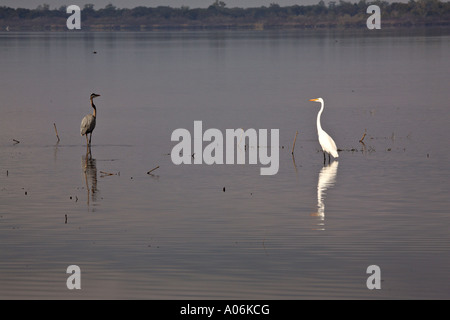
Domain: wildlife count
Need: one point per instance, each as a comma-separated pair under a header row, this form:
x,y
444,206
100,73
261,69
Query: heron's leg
x,y
90,138
87,141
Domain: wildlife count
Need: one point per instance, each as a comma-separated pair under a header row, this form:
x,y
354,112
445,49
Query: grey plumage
x,y
89,121
87,124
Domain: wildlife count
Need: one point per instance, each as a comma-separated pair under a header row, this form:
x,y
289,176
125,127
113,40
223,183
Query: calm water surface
x,y
309,231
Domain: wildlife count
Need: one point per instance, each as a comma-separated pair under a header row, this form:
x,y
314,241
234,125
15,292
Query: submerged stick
x,y
152,170
295,139
16,141
364,135
56,131
104,174
107,173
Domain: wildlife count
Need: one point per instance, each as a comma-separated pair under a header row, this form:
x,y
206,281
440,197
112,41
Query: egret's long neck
x,y
319,127
95,109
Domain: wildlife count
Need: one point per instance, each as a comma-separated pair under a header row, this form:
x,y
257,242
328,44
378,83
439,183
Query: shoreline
x,y
240,27
342,15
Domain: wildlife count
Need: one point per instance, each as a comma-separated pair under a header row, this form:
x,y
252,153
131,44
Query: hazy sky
x,y
154,3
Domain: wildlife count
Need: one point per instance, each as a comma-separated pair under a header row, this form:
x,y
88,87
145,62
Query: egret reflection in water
x,y
327,179
89,166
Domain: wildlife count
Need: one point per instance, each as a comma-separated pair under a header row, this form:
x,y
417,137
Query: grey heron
x,y
88,122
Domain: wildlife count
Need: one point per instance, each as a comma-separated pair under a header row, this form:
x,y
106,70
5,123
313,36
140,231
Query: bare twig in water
x,y
149,172
295,139
16,141
364,135
56,131
104,174
295,165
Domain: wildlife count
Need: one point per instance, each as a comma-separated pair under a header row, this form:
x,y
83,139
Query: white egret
x,y
326,142
88,122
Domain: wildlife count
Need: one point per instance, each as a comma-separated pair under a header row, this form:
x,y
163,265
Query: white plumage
x,y
326,142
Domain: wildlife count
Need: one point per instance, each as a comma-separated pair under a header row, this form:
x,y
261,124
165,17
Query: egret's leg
x,y
324,158
329,158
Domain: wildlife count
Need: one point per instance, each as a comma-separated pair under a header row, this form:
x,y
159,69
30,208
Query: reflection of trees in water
x,y
89,166
327,179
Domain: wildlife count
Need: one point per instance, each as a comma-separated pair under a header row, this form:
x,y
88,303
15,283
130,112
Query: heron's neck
x,y
95,109
319,127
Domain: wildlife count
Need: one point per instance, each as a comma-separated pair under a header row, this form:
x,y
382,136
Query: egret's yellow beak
x,y
313,99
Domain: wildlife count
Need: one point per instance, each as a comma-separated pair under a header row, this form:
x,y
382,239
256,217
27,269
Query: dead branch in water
x,y
105,174
295,139
364,135
16,141
149,172
56,131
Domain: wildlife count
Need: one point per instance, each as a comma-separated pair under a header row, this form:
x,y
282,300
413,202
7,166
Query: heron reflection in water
x,y
327,179
89,166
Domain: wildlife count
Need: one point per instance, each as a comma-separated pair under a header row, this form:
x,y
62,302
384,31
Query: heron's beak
x,y
313,99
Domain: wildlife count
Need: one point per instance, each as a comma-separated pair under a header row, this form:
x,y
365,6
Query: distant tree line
x,y
218,15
